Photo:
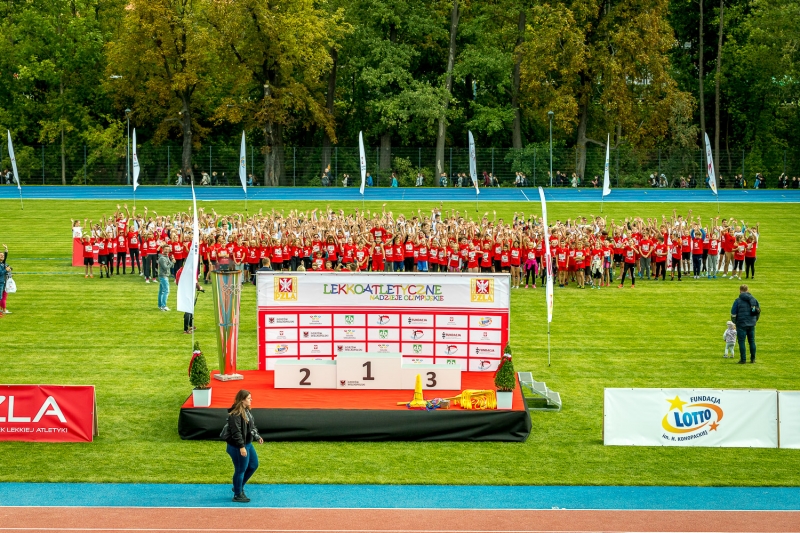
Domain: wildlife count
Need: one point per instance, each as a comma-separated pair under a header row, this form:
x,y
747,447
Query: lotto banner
x,y
460,319
690,417
47,413
789,409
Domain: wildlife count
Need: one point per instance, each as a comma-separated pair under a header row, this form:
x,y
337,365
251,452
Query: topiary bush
x,y
505,379
199,376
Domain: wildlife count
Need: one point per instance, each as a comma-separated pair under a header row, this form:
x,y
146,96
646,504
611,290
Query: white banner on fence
x,y
690,417
789,408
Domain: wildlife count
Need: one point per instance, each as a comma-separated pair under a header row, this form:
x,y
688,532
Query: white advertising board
x,y
690,417
459,319
789,409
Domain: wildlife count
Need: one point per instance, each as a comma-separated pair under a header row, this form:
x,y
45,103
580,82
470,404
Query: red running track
x,y
152,520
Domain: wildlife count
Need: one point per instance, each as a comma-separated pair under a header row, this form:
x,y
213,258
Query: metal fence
x,y
302,166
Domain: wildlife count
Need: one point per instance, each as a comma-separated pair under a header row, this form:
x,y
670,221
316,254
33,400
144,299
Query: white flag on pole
x,y
243,165
135,163
473,164
363,161
547,258
188,281
13,160
606,179
712,180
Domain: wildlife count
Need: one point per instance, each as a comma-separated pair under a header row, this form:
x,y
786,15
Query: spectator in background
x,y
204,179
369,179
758,181
394,179
596,181
250,180
574,181
345,180
745,313
179,179
443,180
795,183
326,176
420,179
486,181
165,264
5,273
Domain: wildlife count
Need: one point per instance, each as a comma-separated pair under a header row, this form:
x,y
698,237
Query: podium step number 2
x,y
311,374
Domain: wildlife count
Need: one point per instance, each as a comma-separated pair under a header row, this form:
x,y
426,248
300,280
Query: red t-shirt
x,y
133,240
516,257
389,252
505,258
713,246
630,254
88,248
660,252
409,249
728,242
697,246
751,249
739,251
398,253
122,243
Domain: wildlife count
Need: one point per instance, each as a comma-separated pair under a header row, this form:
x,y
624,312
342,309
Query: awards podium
x,y
227,291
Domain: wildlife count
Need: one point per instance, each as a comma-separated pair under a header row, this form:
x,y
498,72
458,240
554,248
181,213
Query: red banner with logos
x,y
47,413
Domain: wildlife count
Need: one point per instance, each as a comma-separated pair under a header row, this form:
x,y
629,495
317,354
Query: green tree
x,y
163,56
277,53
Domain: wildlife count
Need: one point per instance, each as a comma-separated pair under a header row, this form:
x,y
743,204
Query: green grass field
x,y
69,330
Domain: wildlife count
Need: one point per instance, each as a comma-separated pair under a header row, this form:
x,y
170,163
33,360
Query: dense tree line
x,y
651,73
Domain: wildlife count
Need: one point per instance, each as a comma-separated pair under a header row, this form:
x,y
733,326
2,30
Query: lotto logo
x,y
450,349
484,364
383,319
286,289
417,334
482,290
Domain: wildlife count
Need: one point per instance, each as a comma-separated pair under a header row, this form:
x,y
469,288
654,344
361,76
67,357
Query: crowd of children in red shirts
x,y
585,251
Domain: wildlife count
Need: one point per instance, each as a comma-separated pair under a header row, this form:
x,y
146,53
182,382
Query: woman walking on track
x,y
243,431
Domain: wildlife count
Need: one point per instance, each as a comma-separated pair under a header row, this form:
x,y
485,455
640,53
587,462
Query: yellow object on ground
x,y
476,399
418,402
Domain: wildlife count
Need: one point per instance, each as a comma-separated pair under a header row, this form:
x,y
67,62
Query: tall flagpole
x,y
712,178
549,266
243,171
135,168
473,168
362,159
14,168
606,177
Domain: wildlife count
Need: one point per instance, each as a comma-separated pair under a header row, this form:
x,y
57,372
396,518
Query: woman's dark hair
x,y
238,407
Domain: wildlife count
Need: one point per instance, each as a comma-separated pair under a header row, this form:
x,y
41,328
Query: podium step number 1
x,y
369,371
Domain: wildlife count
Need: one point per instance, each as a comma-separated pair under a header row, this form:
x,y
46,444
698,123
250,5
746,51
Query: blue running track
x,y
333,194
402,497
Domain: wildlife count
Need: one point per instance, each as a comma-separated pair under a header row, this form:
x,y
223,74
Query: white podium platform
x,y
365,371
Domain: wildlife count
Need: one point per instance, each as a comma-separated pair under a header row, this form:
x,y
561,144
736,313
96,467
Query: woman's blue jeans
x,y
243,467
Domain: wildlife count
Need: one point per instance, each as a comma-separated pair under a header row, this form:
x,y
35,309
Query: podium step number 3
x,y
312,374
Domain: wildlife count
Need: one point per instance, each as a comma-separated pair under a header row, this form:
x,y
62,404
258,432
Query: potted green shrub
x,y
505,380
199,377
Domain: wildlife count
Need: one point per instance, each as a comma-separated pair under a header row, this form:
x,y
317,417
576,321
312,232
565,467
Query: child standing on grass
x,y
730,339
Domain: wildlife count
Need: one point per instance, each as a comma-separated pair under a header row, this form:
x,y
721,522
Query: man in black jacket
x,y
744,314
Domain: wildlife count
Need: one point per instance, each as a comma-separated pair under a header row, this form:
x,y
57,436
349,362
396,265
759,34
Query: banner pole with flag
x,y
243,170
14,168
188,281
473,168
712,179
363,163
549,266
135,168
606,178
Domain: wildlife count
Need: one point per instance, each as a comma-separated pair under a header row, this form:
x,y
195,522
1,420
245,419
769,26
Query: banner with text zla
x,y
460,319
691,417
